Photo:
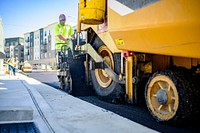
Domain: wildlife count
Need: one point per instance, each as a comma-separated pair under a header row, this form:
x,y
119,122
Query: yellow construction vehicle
x,y
148,47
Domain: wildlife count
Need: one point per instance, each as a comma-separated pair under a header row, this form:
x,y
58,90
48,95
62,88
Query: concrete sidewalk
x,y
56,111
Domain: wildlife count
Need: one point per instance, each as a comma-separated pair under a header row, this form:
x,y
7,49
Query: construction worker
x,y
10,66
62,32
15,65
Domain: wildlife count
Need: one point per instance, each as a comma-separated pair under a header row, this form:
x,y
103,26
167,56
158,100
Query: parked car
x,y
27,67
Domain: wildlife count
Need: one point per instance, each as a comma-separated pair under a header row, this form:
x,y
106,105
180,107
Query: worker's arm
x,y
57,34
62,38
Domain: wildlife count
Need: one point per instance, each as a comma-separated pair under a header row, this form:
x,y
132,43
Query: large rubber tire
x,y
181,96
113,92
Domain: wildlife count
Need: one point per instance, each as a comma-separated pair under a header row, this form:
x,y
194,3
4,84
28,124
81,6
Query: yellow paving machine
x,y
141,50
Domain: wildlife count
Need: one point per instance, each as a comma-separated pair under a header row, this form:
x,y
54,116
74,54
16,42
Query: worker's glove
x,y
68,39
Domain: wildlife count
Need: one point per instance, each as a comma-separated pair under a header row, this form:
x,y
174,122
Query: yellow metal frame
x,y
129,82
167,27
105,37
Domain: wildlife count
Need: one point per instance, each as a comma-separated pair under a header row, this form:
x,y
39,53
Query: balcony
x,y
27,53
43,49
7,51
49,39
44,43
27,40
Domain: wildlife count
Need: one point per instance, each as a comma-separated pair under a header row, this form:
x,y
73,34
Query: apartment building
x,y
1,44
14,47
39,47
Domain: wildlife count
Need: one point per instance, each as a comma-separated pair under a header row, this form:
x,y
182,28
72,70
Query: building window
x,y
27,39
7,56
49,39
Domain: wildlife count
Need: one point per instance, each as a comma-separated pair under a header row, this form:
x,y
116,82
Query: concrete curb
x,y
16,113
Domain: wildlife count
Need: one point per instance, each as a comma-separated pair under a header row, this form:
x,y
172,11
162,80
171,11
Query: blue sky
x,y
22,16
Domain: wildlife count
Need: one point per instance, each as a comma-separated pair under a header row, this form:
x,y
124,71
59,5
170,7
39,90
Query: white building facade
x,y
39,47
36,55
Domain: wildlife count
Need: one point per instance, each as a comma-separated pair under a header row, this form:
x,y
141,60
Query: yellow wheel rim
x,y
162,97
102,77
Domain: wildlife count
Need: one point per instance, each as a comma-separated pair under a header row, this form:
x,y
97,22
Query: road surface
x,y
136,113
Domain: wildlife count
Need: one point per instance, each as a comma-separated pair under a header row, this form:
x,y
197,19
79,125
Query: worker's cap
x,y
62,17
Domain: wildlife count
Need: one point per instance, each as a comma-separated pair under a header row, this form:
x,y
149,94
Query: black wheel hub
x,y
162,97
